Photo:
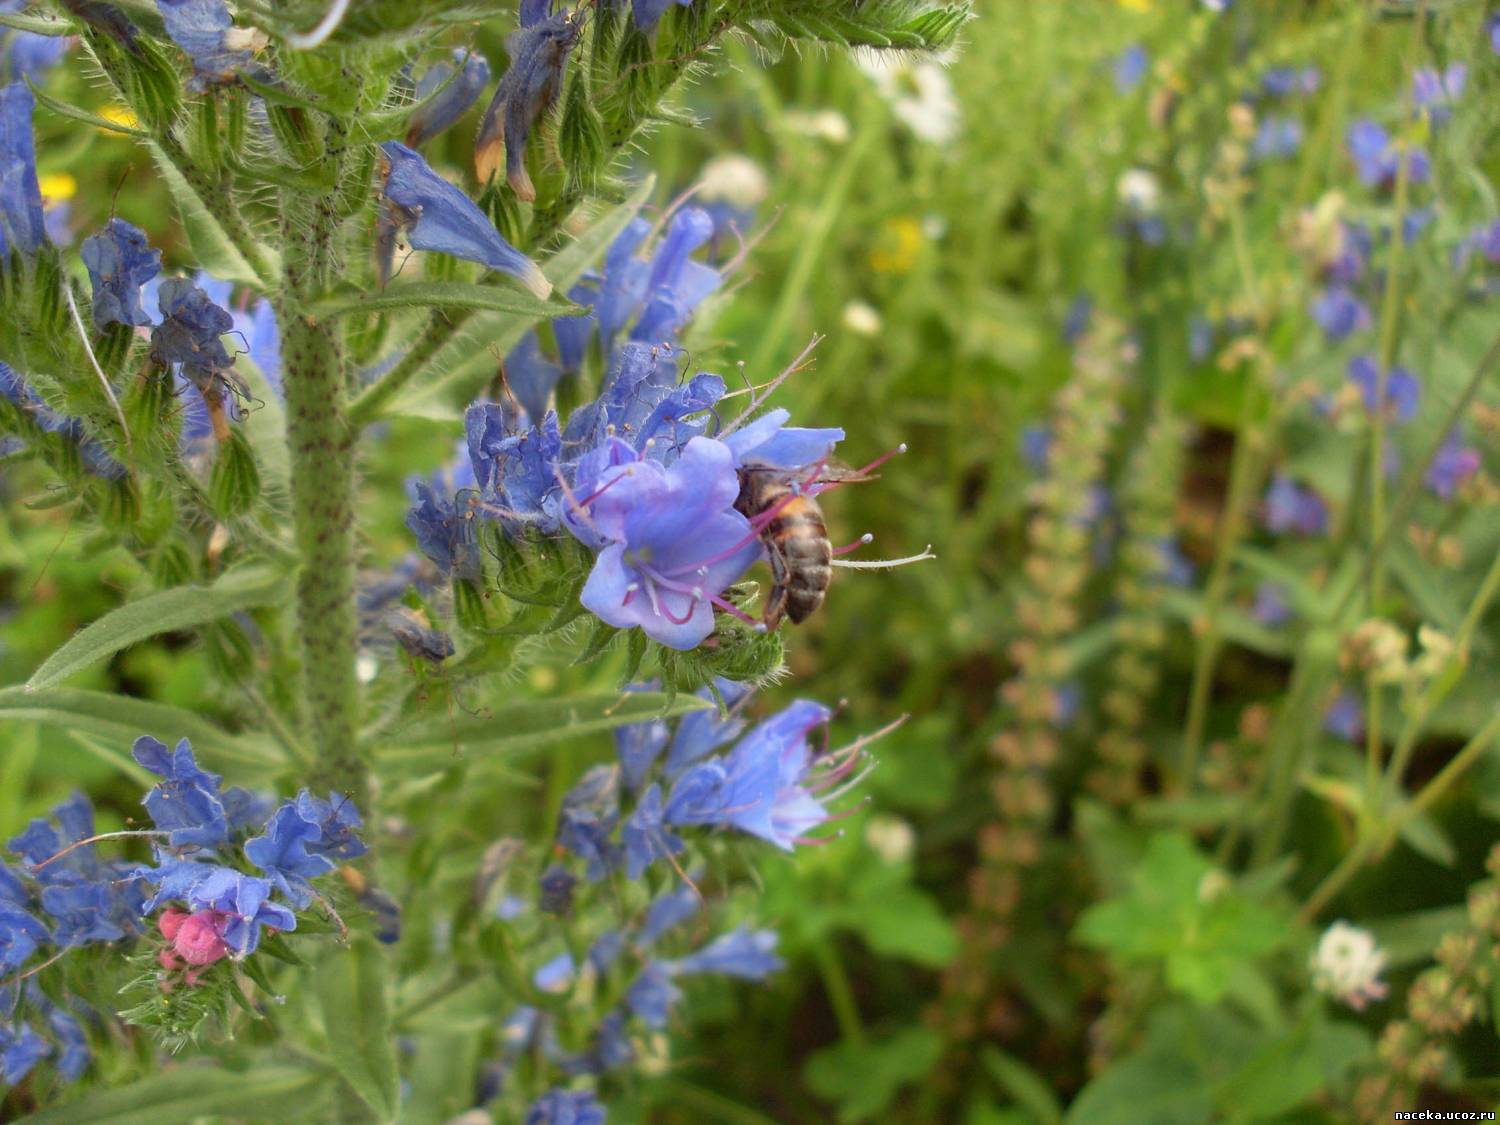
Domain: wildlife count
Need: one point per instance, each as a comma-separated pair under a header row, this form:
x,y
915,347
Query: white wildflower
x,y
862,319
1347,965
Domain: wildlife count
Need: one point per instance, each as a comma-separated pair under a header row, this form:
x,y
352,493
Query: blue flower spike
x,y
528,89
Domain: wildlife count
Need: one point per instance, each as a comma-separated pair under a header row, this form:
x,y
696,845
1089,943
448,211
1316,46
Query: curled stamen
x,y
73,847
885,564
770,388
863,541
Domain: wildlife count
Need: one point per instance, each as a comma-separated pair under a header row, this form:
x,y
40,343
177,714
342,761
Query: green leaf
x,y
523,726
491,333
1409,939
120,720
449,295
1291,1069
896,919
191,1092
63,109
214,250
183,607
37,25
1425,837
351,990
1025,1086
862,1078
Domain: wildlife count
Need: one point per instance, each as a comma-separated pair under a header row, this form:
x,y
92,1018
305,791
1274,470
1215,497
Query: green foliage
x,y
352,991
1187,916
863,1077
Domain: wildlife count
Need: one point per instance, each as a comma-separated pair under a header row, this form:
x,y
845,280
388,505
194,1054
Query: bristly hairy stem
x,y
321,444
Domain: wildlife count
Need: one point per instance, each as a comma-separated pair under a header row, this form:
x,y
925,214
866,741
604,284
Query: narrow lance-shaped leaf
x,y
351,989
181,608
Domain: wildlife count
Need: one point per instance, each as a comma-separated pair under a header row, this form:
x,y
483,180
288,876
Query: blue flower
x,y
1340,313
768,441
606,950
565,1107
21,935
673,543
20,1049
246,810
652,996
1436,91
588,817
190,331
246,903
742,953
73,1059
22,226
201,28
528,89
766,785
555,976
1402,390
638,745
1290,507
1277,138
443,98
642,410
1378,161
1036,443
438,216
531,376
282,854
1285,81
119,262
446,535
1454,464
1130,67
1493,29
555,886
1271,608
1345,717
676,284
186,803
338,820
645,836
515,469
667,911
84,913
702,732
647,13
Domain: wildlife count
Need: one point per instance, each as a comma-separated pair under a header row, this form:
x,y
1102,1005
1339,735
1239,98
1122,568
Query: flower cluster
x,y
65,896
645,475
227,908
770,784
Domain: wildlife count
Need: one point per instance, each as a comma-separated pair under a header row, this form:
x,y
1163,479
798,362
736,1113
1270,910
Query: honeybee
x,y
795,538
782,506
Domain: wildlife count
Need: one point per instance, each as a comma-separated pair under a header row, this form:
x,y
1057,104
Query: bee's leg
x,y
777,598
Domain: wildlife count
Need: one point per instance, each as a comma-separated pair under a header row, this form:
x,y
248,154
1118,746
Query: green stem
x,y
840,992
1443,681
793,297
1368,846
221,205
321,445
1389,321
441,328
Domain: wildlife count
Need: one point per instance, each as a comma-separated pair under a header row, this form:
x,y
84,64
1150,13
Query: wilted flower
x,y
529,88
119,262
438,216
190,333
445,94
1347,964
